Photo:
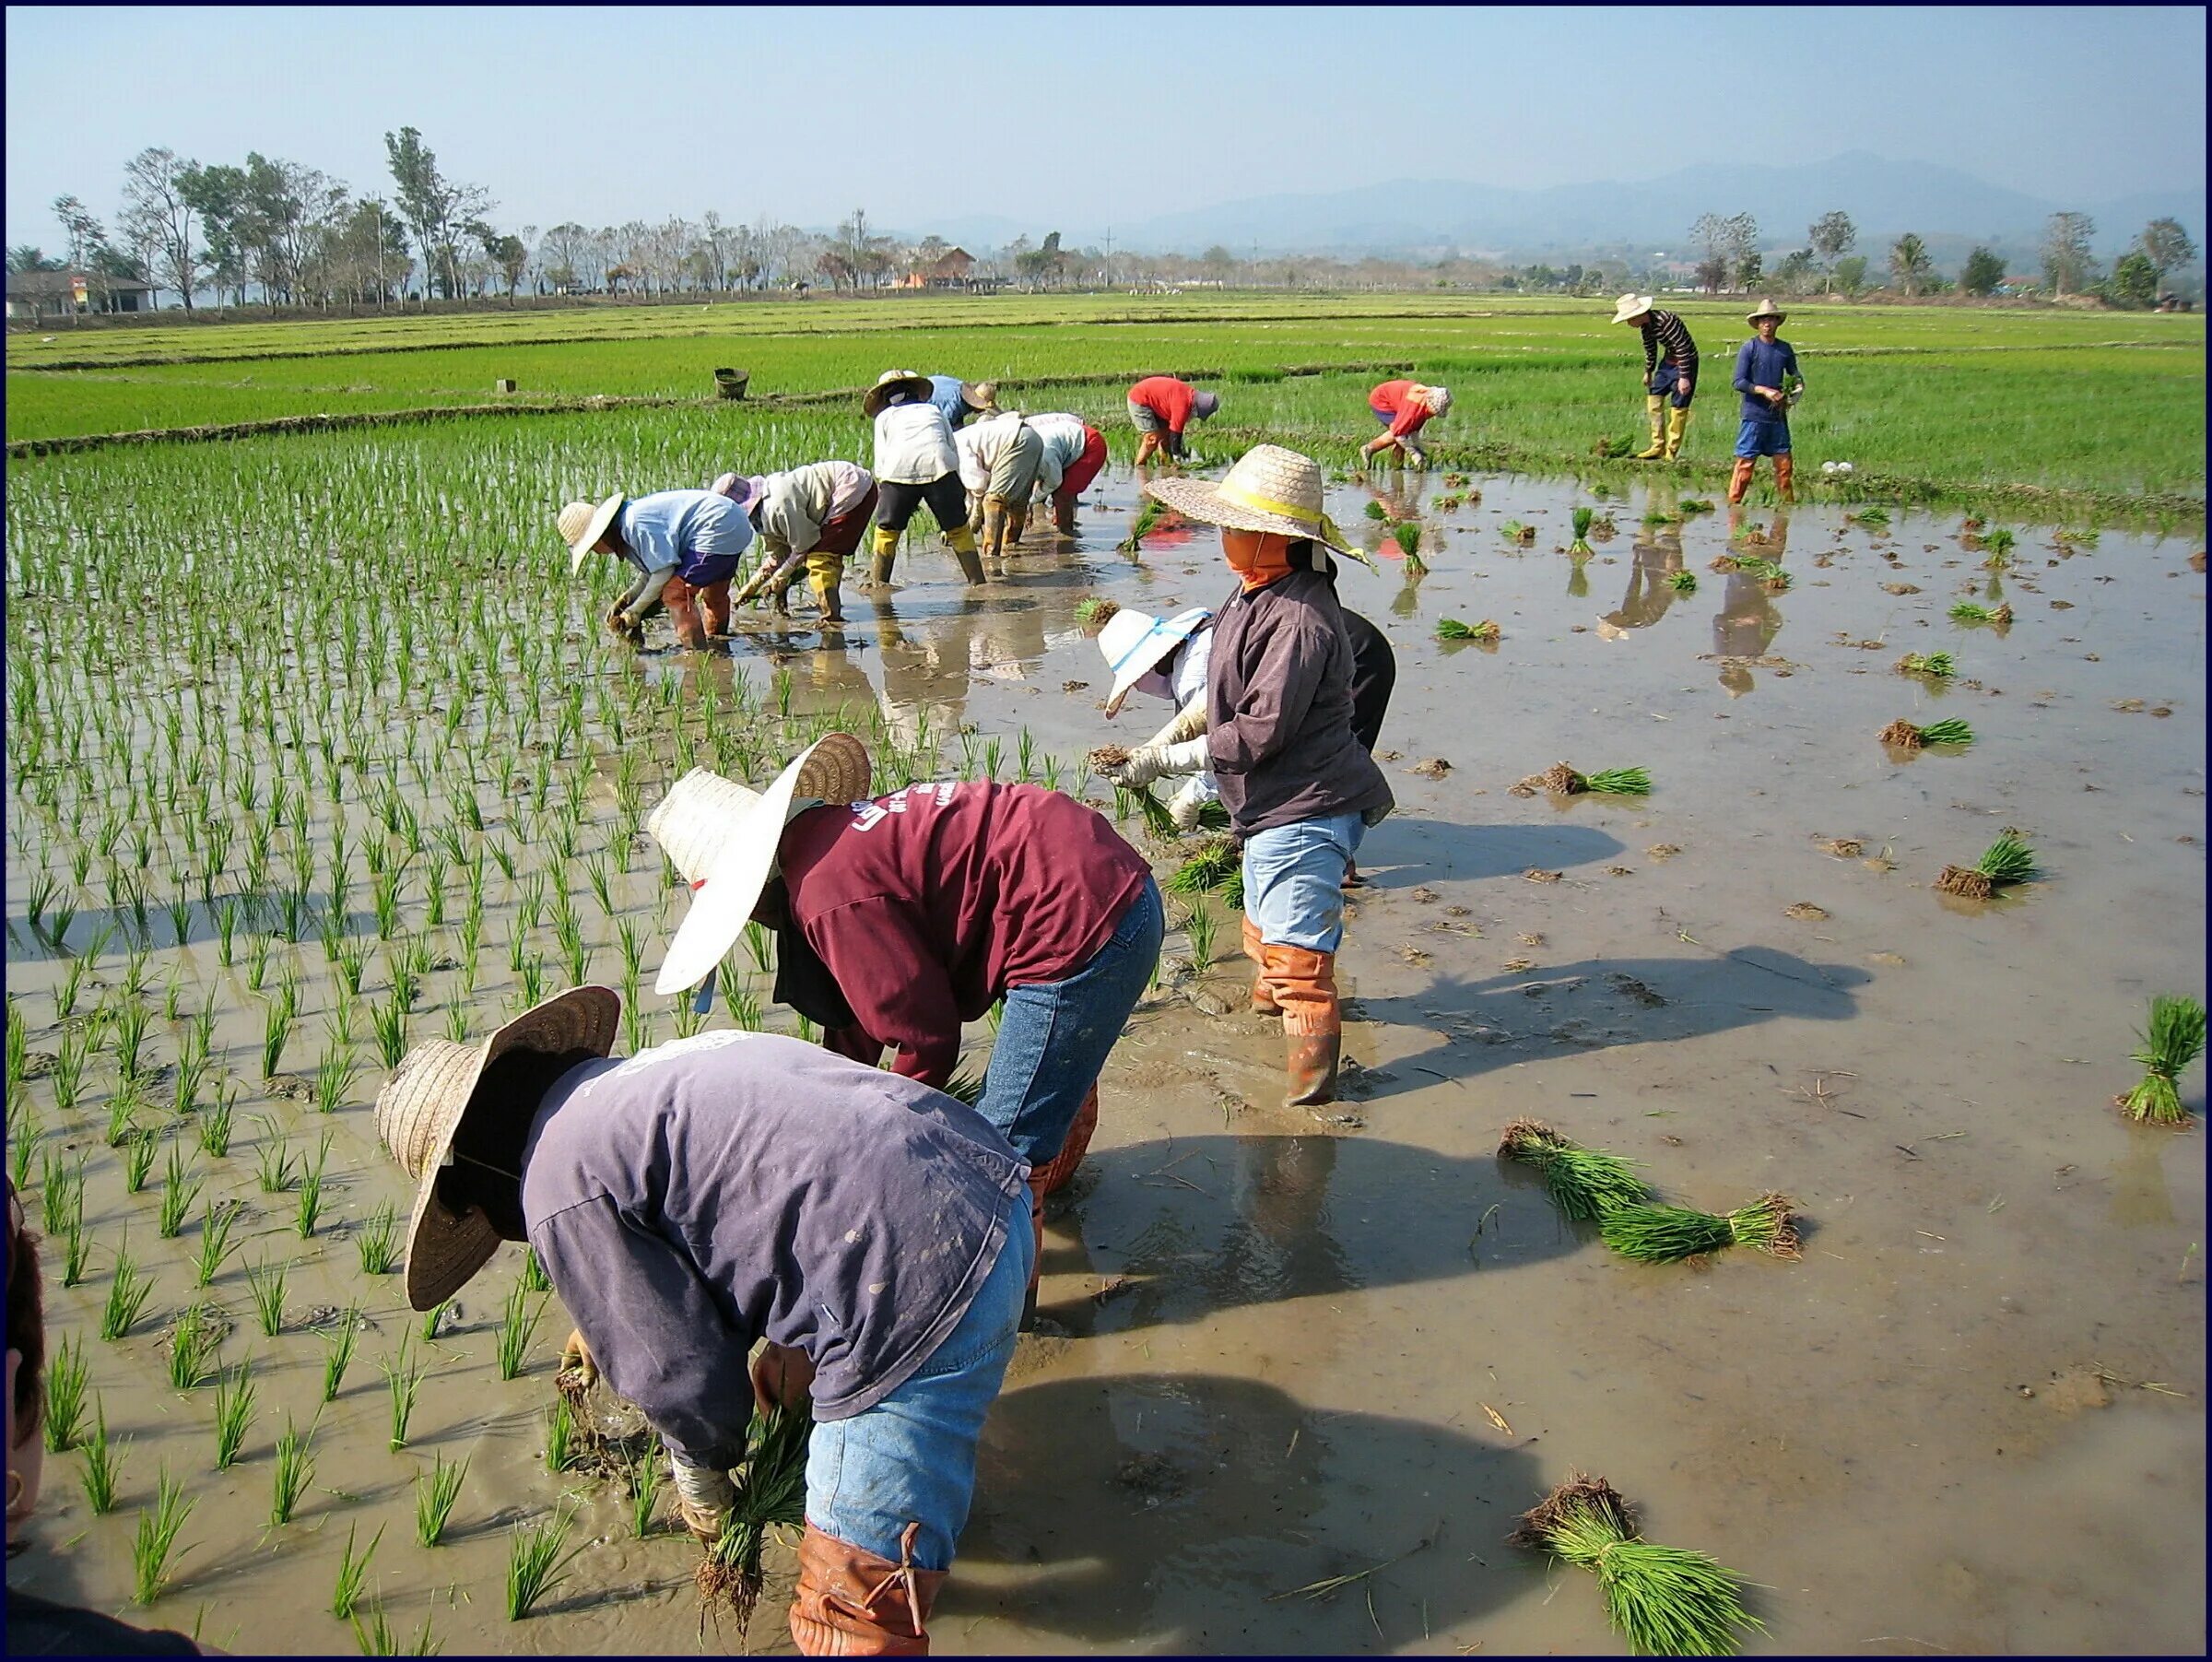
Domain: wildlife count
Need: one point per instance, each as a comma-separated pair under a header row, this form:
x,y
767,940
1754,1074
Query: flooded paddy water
x,y
1281,1348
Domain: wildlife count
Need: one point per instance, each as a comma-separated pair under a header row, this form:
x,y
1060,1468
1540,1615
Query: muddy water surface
x,y
1282,1347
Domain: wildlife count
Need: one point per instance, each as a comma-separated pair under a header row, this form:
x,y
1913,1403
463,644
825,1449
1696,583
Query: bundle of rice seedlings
x,y
1939,664
1999,546
1148,520
1406,534
1106,757
1967,611
1518,532
1093,611
1871,519
1208,871
1563,781
1585,1184
1662,1235
1666,1601
1614,449
967,1085
1376,510
1682,583
771,1493
2007,861
1906,736
1581,544
2174,1039
1451,629
1694,505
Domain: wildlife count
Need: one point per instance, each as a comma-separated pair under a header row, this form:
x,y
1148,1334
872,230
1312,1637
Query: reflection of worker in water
x,y
925,671
1744,628
1648,595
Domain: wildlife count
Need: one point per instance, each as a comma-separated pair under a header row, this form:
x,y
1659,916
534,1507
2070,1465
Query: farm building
x,y
953,269
34,294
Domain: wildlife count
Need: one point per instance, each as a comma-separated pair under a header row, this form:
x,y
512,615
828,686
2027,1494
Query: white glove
x,y
1154,760
1415,457
1188,723
1184,805
704,1496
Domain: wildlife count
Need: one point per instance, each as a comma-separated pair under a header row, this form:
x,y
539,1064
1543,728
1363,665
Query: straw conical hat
x,y
433,1091
723,837
1766,308
912,382
1133,642
582,524
1630,306
1269,489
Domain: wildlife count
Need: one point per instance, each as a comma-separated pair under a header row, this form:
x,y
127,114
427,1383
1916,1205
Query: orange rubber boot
x,y
1304,984
1057,1173
1785,473
849,1602
1263,995
714,604
682,601
1740,480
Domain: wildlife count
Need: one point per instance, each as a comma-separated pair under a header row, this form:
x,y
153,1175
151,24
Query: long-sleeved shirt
x,y
699,535
795,505
927,904
703,1194
1764,363
1665,334
999,455
1279,708
949,393
1406,413
913,444
1064,436
1169,399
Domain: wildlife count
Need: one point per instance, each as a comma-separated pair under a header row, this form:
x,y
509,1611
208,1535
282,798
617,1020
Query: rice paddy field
x,y
315,750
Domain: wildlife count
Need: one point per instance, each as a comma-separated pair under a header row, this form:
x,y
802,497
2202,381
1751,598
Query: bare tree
x,y
2066,258
158,218
1832,236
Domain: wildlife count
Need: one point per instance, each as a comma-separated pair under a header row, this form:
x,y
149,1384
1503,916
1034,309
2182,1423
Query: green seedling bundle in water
x,y
771,1493
2005,862
1903,735
1968,611
1651,1234
1208,871
1455,629
1581,544
1997,546
1682,583
2174,1039
1935,665
1584,1184
1562,781
1665,1600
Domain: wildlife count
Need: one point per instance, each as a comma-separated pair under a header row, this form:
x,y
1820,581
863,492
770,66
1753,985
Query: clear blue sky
x,y
1087,116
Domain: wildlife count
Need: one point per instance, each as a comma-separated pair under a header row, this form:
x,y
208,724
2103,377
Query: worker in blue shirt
x,y
961,399
1765,374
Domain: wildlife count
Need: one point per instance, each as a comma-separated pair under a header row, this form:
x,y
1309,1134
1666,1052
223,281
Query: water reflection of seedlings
x,y
2174,1039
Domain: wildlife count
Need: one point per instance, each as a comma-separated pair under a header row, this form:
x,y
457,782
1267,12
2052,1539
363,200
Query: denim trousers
x,y
1054,1036
1759,438
911,1457
1673,383
1294,880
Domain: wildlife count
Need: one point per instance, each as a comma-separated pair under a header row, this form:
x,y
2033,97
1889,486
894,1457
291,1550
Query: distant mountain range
x,y
1427,217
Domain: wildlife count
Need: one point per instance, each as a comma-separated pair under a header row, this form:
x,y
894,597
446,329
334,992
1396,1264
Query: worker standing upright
x,y
1670,374
915,464
1161,407
1766,374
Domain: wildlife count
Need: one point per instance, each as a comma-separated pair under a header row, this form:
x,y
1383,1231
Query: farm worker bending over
x,y
898,918
704,1195
686,545
960,400
916,463
1159,408
812,516
1404,407
1000,457
1300,792
1766,374
1670,374
1074,452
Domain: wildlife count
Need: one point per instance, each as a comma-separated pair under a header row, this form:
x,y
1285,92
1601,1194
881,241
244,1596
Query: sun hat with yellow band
x,y
1269,489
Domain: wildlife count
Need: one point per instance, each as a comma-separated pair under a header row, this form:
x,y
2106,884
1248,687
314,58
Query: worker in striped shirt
x,y
1670,374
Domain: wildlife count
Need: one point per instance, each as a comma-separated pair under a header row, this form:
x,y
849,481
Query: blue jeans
x,y
1054,1036
1672,381
911,1457
1294,880
1762,438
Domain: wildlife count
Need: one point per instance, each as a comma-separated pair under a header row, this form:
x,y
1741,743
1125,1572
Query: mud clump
x,y
1805,912
1900,735
1436,767
1108,756
1965,882
1536,874
1663,851
1844,848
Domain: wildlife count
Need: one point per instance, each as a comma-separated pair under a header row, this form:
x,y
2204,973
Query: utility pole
x,y
380,252
1110,256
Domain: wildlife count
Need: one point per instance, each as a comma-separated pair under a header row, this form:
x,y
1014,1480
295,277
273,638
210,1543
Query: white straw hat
x,y
433,1092
912,382
1630,306
1269,489
1134,641
581,525
1766,308
980,394
722,838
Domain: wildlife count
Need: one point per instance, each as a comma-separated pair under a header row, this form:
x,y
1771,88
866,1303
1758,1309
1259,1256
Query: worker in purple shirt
x,y
1766,374
703,1196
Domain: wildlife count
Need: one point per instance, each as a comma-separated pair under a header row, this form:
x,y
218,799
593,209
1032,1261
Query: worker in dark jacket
x,y
1766,374
1299,790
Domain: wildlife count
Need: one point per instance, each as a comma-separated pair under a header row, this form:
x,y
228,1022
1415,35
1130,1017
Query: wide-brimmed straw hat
x,y
980,394
915,386
581,525
1269,489
1630,306
434,1091
741,488
722,838
1766,308
1134,641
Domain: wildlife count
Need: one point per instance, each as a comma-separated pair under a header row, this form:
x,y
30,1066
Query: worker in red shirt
x,y
1159,408
898,918
1404,407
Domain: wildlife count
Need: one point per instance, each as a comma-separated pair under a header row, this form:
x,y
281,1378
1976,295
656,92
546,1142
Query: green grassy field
x,y
2103,407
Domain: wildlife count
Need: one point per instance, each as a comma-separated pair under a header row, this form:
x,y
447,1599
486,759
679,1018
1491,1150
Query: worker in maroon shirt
x,y
1161,407
899,918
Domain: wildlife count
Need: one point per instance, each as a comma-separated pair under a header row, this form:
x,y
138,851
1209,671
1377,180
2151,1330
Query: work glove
x,y
1415,457
1188,723
1184,805
704,1497
1155,760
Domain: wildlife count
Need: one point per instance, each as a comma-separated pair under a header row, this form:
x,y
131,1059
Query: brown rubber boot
x,y
1740,480
1785,473
1263,995
1057,1173
1310,1065
994,539
1304,984
682,601
886,552
1063,514
849,1602
714,605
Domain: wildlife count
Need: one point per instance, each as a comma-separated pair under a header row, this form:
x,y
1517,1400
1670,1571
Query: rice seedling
x,y
1968,611
338,1352
1903,735
1997,546
1563,781
1206,871
66,990
61,1190
1612,448
517,1324
2174,1039
138,1151
310,1190
403,1377
390,1020
277,1027
1585,1184
1876,519
76,1248
103,1462
378,1243
1093,611
294,1470
335,1071
214,1125
433,1317
561,1435
216,1246
771,1493
353,1574
535,1562
191,1349
24,1141
1682,583
226,930
1406,534
257,960
1514,531
1665,1600
645,1489
384,899
758,944
1662,1235
266,1282
177,1192
2004,862
153,1547
349,957
1936,666
1453,629
435,1492
234,1394
1581,544
1376,510
1148,515
131,1019
1198,924
66,1379
533,1272
275,1165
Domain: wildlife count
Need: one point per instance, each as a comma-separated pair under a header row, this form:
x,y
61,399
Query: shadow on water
x,y
1181,1506
1598,1004
1403,851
